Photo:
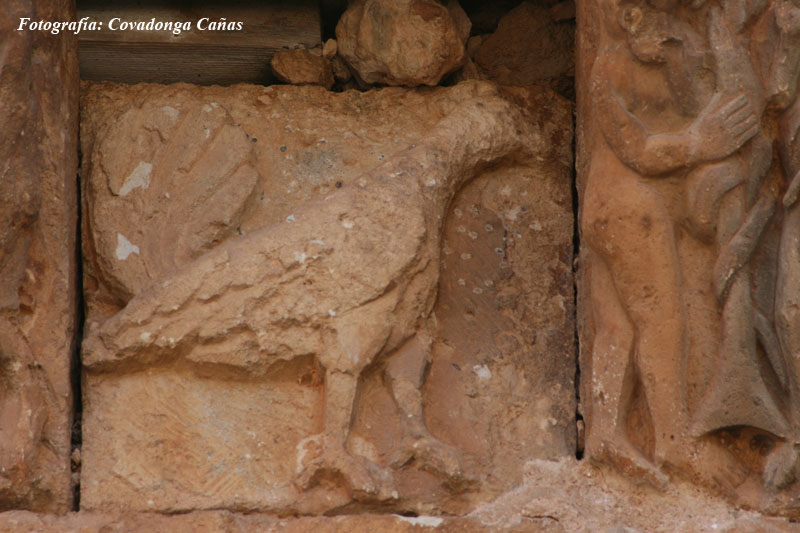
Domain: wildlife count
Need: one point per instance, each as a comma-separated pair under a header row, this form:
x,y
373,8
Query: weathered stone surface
x,y
405,42
330,48
460,20
528,47
301,67
262,265
226,522
38,303
341,72
689,229
485,16
554,496
563,11
579,496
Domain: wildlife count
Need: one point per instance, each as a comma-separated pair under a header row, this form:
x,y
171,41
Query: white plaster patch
x,y
140,177
347,224
302,450
125,248
290,218
423,521
482,371
300,257
170,111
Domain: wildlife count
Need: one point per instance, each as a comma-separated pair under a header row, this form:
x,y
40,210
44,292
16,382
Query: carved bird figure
x,y
350,277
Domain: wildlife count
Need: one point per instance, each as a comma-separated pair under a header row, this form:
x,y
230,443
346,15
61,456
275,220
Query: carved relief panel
x,y
38,286
300,301
688,186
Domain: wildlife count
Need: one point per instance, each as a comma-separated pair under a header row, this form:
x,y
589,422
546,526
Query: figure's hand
x,y
722,127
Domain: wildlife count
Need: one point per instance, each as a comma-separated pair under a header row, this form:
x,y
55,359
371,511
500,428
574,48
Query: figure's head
x,y
647,27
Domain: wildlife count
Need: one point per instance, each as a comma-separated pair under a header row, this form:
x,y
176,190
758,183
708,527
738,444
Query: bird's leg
x,y
366,480
405,375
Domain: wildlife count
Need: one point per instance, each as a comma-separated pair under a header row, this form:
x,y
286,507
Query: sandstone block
x,y
301,67
299,300
38,301
227,522
406,42
528,47
330,48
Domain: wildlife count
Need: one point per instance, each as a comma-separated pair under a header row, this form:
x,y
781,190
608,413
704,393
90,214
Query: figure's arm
x,y
719,130
647,154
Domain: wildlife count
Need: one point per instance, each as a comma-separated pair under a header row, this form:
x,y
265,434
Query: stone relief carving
x,y
37,295
210,269
690,241
20,196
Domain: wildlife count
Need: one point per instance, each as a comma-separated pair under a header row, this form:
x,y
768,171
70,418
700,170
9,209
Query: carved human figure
x,y
297,289
712,173
639,88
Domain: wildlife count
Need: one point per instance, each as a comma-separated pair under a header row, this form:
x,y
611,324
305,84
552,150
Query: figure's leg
x,y
641,253
404,375
611,381
634,235
365,479
359,336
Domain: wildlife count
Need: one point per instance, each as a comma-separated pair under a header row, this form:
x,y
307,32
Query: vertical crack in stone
x,y
576,249
75,363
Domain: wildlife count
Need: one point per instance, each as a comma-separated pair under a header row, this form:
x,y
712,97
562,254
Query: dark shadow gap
x,y
576,250
75,363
